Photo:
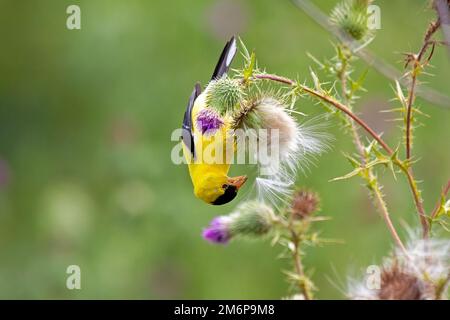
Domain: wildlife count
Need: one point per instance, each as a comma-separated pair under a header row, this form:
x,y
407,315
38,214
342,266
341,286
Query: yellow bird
x,y
204,129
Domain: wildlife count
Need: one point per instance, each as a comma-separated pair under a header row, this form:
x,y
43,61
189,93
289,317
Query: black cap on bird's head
x,y
230,194
231,189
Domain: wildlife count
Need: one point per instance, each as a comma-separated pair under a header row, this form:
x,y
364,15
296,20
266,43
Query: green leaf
x,y
348,175
316,81
400,95
392,168
444,225
358,84
248,71
377,162
244,50
355,163
444,207
314,59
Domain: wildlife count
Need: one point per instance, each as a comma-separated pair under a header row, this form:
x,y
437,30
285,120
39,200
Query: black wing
x,y
225,59
222,67
188,138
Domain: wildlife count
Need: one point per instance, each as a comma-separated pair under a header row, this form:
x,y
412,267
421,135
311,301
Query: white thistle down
x,y
297,145
429,259
421,274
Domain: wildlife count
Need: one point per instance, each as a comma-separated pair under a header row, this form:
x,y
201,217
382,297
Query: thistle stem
x,y
433,27
303,283
304,287
409,116
441,288
338,105
417,200
375,188
331,101
385,214
417,64
410,177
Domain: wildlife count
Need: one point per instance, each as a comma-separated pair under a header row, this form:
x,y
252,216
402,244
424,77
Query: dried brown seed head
x,y
304,203
397,283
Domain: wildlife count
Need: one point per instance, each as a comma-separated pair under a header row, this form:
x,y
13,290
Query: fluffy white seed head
x,y
421,274
284,145
298,144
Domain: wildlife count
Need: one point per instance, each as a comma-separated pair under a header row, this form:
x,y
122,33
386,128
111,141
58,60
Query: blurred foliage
x,y
85,123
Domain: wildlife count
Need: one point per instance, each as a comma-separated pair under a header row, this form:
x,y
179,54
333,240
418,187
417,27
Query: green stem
x,y
298,265
303,283
369,177
331,101
417,65
441,288
410,177
385,214
407,170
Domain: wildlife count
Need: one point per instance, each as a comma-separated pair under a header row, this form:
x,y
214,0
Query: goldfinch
x,y
204,128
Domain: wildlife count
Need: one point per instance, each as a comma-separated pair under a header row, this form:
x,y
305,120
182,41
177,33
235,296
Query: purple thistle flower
x,y
218,231
208,121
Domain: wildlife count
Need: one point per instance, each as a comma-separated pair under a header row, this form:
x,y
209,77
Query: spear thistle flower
x,y
250,219
208,121
218,231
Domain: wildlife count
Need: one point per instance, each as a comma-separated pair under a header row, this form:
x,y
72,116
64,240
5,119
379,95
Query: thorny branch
x,y
379,64
331,101
358,120
417,65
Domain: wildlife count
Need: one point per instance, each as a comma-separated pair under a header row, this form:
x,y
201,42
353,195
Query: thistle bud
x,y
218,230
352,17
251,219
224,94
304,204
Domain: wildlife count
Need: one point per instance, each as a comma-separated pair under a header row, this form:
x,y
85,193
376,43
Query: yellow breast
x,y
213,155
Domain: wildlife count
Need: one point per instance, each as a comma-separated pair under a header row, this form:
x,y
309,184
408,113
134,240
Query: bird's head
x,y
218,189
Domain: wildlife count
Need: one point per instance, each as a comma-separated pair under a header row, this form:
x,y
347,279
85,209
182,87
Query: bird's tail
x,y
225,59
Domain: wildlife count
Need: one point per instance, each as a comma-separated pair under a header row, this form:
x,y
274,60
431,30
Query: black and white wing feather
x,y
225,59
188,138
222,67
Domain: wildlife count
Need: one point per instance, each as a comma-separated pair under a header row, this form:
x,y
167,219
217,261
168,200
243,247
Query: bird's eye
x,y
224,186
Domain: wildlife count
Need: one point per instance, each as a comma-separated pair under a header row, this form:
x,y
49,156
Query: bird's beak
x,y
237,181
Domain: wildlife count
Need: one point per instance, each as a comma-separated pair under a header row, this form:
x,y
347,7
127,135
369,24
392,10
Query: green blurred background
x,y
85,170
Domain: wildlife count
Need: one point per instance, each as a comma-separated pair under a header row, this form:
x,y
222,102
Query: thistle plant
x,y
289,227
250,219
255,98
